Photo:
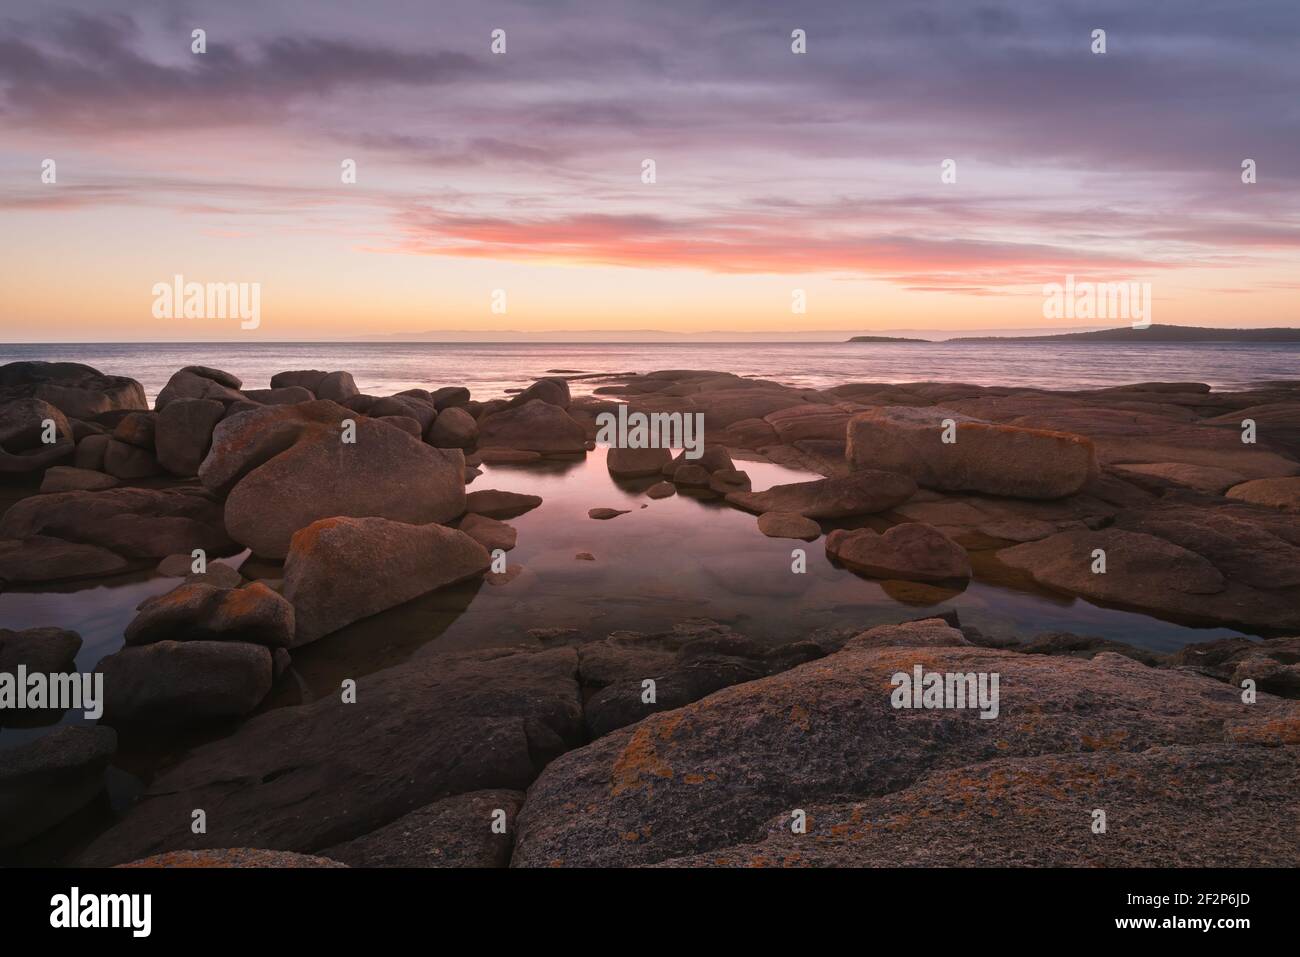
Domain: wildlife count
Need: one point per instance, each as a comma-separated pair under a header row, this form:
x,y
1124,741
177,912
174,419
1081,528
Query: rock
x,y
44,781
1203,478
552,390
44,650
128,461
712,458
604,514
182,682
90,453
284,395
1269,675
61,478
450,396
535,426
1019,529
44,559
259,858
136,428
860,493
313,776
135,522
788,525
691,476
403,423
922,633
340,570
585,557
308,379
202,612
184,434
385,474
488,532
242,442
1216,806
216,574
1270,663
1153,575
22,433
910,552
661,490
199,382
457,831
410,406
995,459
453,429
636,463
76,390
726,481
1084,646
712,775
508,456
494,503
1283,493
336,386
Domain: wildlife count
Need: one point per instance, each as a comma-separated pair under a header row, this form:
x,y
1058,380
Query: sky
x,y
516,180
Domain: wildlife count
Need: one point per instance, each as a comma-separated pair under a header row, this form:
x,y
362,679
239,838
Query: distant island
x,y
1128,334
886,339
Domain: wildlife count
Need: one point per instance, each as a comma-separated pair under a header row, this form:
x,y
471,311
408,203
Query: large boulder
x,y
995,459
712,775
860,493
125,461
385,473
412,407
135,522
638,463
340,570
458,831
552,390
44,781
308,379
199,382
22,433
242,442
40,558
202,612
1150,574
912,551
1283,493
309,777
285,395
183,434
453,429
77,390
63,478
336,386
535,426
183,682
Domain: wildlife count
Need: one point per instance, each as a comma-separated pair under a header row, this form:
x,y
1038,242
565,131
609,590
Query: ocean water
x,y
488,369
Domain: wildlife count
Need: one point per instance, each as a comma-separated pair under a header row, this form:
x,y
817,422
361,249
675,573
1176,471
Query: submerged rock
x,y
912,552
495,503
861,493
489,532
788,525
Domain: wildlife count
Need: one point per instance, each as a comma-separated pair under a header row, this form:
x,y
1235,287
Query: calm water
x,y
490,368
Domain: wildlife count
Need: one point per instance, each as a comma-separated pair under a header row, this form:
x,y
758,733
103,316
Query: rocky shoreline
x,y
550,753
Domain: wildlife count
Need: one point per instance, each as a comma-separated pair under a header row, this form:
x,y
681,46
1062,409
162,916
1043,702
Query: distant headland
x,y
1128,334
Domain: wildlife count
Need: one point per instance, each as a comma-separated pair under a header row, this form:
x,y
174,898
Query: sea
x,y
489,369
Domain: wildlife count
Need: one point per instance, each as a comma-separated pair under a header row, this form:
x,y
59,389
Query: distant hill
x,y
1155,333
886,339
